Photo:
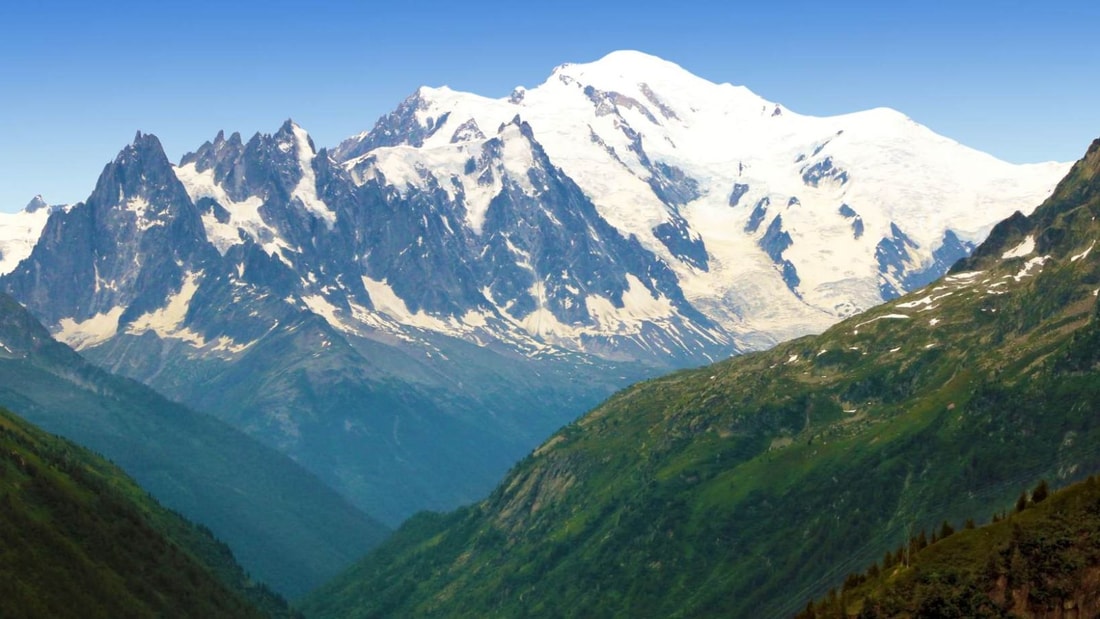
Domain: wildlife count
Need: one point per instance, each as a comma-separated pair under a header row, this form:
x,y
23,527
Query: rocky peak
x,y
211,154
140,182
36,204
1062,225
401,126
126,246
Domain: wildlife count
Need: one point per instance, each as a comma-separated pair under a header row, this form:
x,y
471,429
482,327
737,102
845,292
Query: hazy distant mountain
x,y
409,313
284,525
83,540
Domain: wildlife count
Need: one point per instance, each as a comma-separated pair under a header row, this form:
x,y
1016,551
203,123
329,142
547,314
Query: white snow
x,y
1031,265
387,302
716,134
243,216
963,277
1083,254
911,304
883,317
225,343
1024,248
639,306
168,321
91,331
719,134
139,206
306,191
324,308
18,234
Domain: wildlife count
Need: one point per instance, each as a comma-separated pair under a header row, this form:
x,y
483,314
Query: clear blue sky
x,y
1018,79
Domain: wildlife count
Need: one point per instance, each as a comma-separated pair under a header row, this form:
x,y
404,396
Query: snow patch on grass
x,y
1035,264
911,304
1024,248
883,317
1083,254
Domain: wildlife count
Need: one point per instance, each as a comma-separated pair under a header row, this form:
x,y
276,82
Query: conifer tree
x,y
1041,492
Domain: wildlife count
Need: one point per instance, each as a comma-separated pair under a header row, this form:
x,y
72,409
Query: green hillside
x,y
80,539
749,487
284,525
1042,560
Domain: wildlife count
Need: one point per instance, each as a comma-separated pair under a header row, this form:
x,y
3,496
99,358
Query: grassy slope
x,y
80,539
284,524
1036,562
748,487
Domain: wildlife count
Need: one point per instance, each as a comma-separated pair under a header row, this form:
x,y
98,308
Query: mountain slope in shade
x,y
748,487
362,308
273,333
83,540
285,526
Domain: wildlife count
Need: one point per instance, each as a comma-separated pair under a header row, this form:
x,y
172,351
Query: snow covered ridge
x,y
20,231
773,221
623,207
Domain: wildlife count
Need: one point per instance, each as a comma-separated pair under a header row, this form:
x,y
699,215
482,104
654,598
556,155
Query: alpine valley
x,y
409,313
751,486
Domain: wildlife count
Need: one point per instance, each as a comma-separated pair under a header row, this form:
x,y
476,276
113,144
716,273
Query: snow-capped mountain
x,y
20,231
432,297
735,193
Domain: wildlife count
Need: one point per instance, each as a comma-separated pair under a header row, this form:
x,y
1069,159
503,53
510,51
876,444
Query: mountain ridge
x,y
563,242
706,492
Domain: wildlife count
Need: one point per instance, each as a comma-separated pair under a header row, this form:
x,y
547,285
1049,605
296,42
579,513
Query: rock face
x,y
429,299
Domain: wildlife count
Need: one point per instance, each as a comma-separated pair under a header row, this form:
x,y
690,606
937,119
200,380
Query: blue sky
x,y
77,79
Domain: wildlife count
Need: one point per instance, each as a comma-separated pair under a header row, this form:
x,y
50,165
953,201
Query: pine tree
x,y
1041,492
946,530
922,541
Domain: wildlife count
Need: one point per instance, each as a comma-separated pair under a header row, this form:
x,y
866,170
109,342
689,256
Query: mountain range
x,y
410,312
748,487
